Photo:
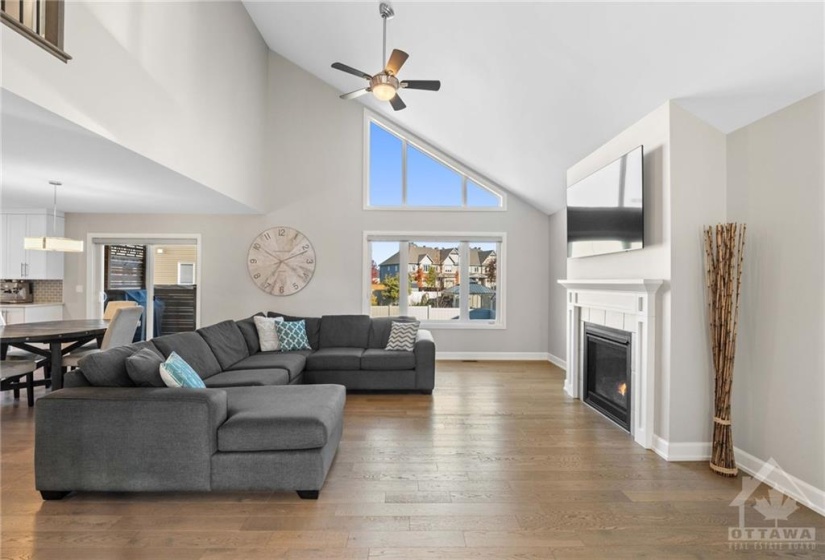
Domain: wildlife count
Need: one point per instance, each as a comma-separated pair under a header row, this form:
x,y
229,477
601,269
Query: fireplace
x,y
606,367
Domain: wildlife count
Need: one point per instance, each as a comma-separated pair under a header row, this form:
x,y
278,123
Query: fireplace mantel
x,y
619,285
625,304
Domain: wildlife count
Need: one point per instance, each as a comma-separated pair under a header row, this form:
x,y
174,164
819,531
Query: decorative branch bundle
x,y
724,251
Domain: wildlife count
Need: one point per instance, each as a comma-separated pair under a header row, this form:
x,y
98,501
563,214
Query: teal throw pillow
x,y
292,335
175,372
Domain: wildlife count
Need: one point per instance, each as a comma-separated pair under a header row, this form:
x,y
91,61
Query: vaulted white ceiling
x,y
529,89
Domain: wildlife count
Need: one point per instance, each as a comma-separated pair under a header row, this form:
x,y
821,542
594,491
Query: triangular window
x,y
406,173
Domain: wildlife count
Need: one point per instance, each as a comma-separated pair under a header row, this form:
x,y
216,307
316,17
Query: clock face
x,y
281,261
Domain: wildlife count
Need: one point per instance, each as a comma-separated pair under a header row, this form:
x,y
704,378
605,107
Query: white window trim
x,y
409,138
403,279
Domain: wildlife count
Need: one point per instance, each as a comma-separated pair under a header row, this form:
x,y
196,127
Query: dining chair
x,y
12,371
113,306
120,332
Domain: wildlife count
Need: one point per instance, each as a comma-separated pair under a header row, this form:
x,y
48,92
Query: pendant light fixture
x,y
50,243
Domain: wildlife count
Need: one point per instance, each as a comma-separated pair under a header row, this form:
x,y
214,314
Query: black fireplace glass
x,y
607,372
610,376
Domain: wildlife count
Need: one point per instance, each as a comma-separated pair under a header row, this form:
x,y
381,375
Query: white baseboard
x,y
689,451
493,356
799,490
555,360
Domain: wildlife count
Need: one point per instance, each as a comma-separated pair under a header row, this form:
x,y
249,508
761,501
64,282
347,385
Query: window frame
x,y
407,138
182,264
500,321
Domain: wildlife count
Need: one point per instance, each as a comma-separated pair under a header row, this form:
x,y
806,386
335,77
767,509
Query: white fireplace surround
x,y
628,305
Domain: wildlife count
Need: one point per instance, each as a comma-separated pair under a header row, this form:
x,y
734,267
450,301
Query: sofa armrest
x,y
127,439
424,361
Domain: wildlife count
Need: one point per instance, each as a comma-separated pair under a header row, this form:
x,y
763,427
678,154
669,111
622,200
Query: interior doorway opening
x,y
163,270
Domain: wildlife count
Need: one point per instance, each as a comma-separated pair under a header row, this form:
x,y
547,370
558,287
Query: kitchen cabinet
x,y
15,314
17,263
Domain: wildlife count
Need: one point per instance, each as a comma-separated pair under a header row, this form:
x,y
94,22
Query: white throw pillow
x,y
267,333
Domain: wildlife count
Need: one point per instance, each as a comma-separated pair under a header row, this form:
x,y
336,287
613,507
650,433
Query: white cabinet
x,y
16,262
14,316
34,313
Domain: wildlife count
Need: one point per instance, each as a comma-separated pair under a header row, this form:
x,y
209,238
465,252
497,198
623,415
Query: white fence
x,y
422,313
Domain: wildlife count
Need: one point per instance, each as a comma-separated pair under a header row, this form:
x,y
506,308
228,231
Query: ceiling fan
x,y
385,84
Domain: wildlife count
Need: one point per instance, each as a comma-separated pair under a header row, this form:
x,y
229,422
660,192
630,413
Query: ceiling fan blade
x,y
396,61
396,103
351,70
429,85
354,94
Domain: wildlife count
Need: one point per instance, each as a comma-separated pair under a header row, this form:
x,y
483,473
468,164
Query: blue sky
x,y
429,182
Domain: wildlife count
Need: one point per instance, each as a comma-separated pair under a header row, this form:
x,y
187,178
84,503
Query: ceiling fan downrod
x,y
386,12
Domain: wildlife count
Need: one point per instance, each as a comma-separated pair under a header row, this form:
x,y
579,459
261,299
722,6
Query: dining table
x,y
61,337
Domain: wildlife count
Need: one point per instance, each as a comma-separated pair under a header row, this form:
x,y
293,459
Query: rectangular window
x,y
406,173
451,281
186,273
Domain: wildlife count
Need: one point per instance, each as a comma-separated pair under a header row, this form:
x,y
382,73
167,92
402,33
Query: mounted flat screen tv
x,y
605,211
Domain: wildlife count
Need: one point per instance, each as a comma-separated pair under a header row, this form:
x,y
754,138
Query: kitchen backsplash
x,y
47,291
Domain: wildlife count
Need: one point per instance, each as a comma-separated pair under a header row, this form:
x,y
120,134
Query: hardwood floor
x,y
497,464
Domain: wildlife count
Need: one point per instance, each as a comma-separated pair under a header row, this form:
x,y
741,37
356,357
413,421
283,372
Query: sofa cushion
x,y
226,341
380,330
293,362
193,349
345,331
281,418
250,333
335,358
107,368
175,372
382,360
312,324
248,378
143,368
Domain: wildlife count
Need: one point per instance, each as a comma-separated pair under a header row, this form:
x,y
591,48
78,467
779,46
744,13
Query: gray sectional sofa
x,y
266,421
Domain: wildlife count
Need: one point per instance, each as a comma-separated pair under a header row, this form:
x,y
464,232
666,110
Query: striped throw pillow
x,y
402,336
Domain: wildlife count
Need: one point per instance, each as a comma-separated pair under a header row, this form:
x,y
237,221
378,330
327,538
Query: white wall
x,y
652,131
314,175
182,83
776,184
697,186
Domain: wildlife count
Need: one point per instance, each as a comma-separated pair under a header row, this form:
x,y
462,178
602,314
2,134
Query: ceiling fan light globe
x,y
384,92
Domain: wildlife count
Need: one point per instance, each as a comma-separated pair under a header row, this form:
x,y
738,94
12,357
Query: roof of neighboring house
x,y
417,254
475,289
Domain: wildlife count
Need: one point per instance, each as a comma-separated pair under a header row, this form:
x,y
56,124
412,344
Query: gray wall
x,y
558,295
776,185
314,183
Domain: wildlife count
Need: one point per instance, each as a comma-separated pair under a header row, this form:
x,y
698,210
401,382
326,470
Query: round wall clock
x,y
281,261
